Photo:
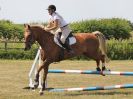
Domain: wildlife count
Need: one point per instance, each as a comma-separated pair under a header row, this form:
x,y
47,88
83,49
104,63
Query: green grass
x,y
14,77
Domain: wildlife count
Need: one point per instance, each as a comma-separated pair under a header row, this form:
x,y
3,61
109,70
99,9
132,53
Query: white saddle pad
x,y
72,40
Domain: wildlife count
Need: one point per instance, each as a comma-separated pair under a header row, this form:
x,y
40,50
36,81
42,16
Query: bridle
x,y
30,39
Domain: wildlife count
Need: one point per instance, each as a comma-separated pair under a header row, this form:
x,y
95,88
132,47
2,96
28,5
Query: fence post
x,y
5,45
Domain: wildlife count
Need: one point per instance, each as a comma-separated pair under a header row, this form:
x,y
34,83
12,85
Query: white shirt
x,y
61,21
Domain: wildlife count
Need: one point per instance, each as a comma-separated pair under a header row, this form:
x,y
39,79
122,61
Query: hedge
x,y
120,50
18,54
111,28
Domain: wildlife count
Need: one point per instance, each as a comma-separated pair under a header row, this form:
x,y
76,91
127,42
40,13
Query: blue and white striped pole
x,y
92,88
91,72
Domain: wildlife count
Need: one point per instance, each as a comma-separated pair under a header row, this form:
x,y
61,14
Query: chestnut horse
x,y
91,45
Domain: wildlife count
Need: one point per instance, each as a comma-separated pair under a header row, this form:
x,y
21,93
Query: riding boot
x,y
68,47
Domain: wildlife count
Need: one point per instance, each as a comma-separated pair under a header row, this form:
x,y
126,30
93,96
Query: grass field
x,y
14,77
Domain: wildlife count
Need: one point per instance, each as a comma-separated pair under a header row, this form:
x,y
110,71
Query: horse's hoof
x,y
41,93
98,69
105,69
36,84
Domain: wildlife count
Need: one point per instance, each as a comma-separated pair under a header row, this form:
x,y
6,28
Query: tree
x,y
8,30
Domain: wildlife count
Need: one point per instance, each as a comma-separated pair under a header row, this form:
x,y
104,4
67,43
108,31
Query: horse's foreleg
x,y
37,75
44,79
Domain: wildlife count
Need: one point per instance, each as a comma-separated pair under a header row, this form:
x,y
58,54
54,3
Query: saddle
x,y
67,39
66,45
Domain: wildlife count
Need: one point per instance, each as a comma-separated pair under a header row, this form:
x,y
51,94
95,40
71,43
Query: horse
x,y
91,45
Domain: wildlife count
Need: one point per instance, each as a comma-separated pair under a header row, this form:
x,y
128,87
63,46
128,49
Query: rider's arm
x,y
54,26
50,24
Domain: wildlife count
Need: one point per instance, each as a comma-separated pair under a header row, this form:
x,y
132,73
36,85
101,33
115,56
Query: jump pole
x,y
92,88
91,72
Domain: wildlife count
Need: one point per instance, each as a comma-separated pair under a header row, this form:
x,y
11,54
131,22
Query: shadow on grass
x,y
99,93
29,88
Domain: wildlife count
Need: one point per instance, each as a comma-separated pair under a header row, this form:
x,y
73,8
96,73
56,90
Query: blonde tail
x,y
102,42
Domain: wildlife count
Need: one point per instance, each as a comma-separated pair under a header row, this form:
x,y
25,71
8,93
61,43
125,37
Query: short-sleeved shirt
x,y
61,21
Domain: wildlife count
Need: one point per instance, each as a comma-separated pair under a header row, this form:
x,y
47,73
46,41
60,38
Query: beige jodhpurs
x,y
65,32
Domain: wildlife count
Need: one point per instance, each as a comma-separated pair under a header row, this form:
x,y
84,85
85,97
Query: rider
x,y
58,24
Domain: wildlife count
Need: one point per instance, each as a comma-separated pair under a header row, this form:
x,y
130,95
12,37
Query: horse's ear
x,y
27,26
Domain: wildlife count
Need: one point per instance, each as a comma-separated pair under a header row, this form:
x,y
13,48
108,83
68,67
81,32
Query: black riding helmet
x,y
51,7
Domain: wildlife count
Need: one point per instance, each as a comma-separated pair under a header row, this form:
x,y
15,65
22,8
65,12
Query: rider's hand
x,y
46,29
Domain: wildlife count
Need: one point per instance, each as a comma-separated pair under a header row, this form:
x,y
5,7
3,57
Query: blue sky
x,y
26,11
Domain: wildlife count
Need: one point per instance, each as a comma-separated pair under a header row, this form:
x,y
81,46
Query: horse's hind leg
x,y
98,65
103,62
97,59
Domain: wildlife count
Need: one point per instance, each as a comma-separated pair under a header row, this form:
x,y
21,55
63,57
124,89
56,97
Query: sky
x,y
27,11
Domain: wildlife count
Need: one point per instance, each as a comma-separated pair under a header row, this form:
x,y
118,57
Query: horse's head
x,y
28,36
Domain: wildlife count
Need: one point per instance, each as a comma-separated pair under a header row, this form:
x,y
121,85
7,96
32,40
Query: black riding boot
x,y
68,47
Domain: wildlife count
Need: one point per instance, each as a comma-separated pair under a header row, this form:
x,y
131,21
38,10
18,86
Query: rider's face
x,y
50,11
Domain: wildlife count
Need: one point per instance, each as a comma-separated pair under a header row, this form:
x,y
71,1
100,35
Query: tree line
x,y
112,28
